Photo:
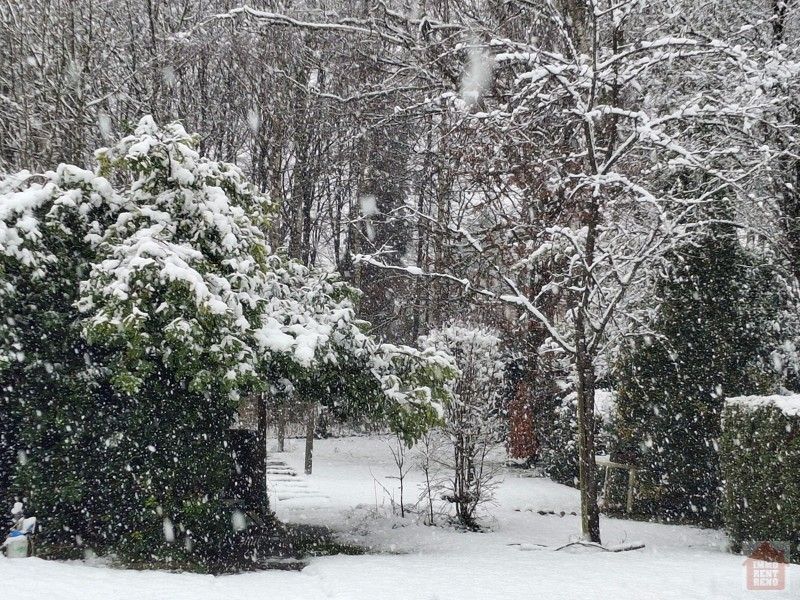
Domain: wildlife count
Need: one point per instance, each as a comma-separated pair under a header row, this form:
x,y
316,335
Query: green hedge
x,y
760,460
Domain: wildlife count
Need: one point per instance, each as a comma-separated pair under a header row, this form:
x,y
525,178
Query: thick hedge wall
x,y
760,460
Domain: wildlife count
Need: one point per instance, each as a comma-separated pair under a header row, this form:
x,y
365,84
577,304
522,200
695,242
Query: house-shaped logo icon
x,y
766,568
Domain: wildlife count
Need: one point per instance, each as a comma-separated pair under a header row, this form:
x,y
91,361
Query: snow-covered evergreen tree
x,y
165,304
719,323
55,407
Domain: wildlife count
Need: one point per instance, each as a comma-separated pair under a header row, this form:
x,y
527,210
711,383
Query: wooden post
x,y
606,485
281,426
607,464
631,484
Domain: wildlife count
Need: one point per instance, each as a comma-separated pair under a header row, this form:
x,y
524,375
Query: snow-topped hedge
x,y
760,459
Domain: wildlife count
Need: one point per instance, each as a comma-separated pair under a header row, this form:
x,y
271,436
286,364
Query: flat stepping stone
x,y
292,497
306,503
291,488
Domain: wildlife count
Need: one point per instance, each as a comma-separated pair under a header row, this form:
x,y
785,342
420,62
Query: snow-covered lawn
x,y
412,561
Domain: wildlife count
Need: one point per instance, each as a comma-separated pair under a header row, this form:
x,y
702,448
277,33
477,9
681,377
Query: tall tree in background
x,y
576,103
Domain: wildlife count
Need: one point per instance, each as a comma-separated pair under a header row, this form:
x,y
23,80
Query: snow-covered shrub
x,y
135,318
54,407
474,419
183,297
760,460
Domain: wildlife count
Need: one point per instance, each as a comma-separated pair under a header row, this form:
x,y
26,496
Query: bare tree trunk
x,y
280,427
590,512
521,442
261,457
779,11
426,468
311,420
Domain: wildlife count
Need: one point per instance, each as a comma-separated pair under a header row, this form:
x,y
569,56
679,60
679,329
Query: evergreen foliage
x,y
49,228
560,452
718,320
136,316
760,458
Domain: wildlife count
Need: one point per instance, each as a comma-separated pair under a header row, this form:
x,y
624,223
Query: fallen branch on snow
x,y
617,548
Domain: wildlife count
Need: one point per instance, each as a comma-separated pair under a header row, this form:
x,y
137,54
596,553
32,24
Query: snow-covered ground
x,y
516,559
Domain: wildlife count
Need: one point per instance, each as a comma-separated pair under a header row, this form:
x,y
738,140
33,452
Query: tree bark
x,y
522,442
590,512
311,420
584,364
280,427
261,457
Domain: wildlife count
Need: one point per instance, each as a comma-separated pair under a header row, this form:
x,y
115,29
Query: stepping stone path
x,y
290,488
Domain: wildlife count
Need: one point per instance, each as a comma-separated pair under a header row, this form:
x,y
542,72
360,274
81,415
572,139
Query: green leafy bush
x,y
760,462
136,315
